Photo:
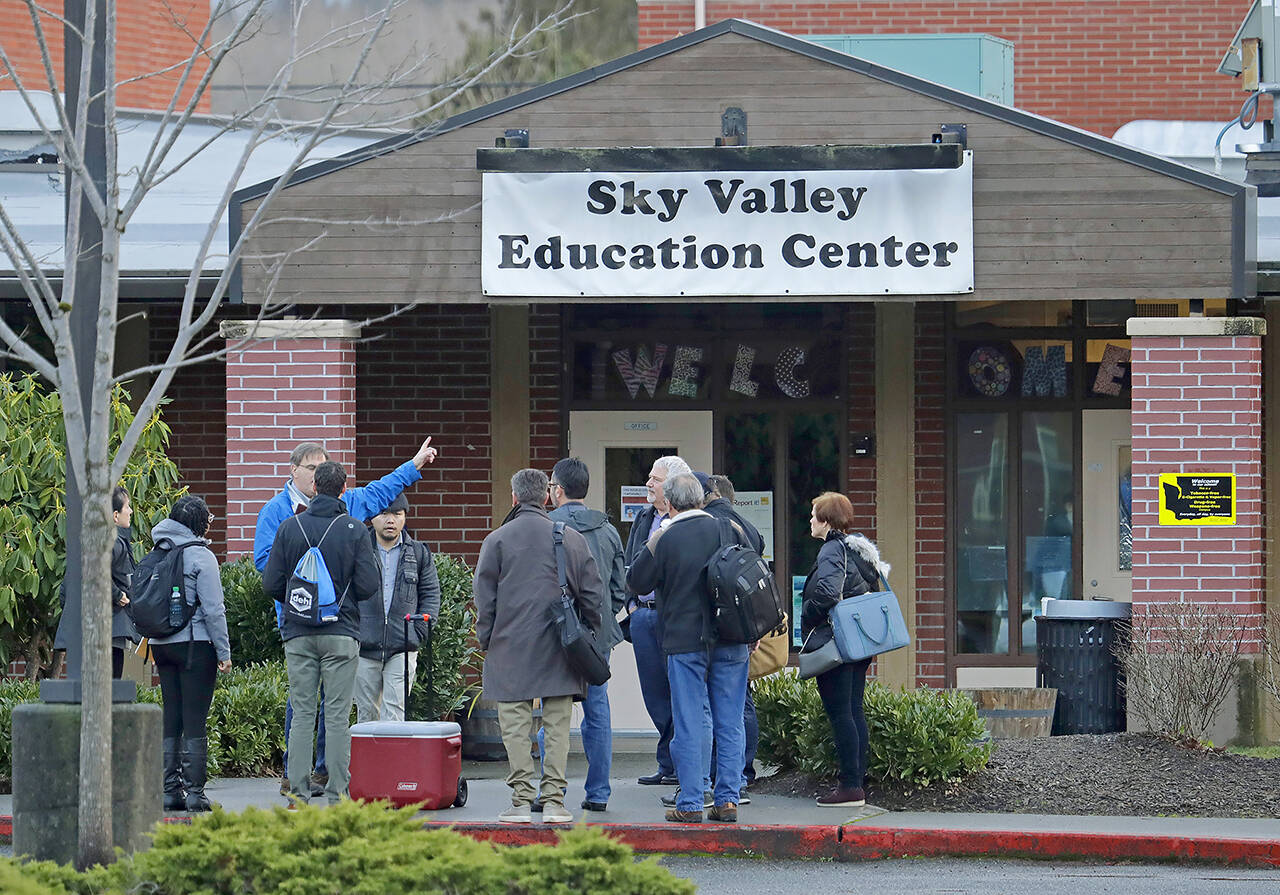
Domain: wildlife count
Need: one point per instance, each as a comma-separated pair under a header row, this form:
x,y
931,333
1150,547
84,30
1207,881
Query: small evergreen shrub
x,y
453,646
359,849
12,693
251,617
917,737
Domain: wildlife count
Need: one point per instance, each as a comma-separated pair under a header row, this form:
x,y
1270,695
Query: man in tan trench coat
x,y
516,583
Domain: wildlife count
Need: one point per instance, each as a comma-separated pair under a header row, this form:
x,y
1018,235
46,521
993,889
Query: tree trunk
x,y
96,842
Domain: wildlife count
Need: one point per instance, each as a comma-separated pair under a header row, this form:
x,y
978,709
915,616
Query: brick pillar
x,y
288,381
1197,407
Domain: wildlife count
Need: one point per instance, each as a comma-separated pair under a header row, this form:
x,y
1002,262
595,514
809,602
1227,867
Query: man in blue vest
x,y
363,503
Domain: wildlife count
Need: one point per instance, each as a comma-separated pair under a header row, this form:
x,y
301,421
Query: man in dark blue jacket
x,y
323,654
410,586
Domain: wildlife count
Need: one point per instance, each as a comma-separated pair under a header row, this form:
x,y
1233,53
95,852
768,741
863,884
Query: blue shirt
x,y
390,563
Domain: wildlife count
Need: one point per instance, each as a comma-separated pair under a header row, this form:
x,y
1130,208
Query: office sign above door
x,y
718,233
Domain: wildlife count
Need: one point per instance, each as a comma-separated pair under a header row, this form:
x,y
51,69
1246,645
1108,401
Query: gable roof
x,y
1032,122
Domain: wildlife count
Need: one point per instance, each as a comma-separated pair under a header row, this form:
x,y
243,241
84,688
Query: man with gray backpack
x,y
321,566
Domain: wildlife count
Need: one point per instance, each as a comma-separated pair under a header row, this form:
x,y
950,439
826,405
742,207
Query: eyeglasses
x,y
551,486
311,467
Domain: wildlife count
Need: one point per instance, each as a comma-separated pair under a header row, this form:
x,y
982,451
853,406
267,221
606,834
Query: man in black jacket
x,y
323,653
701,669
410,586
645,631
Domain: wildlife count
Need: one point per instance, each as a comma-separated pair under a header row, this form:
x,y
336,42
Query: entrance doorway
x,y
619,447
1107,537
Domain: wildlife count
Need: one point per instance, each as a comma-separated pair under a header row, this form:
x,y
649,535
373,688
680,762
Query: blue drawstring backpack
x,y
309,596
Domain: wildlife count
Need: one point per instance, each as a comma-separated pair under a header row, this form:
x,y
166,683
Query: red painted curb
x,y
857,843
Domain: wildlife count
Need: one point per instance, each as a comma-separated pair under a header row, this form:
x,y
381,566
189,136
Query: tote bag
x,y
869,624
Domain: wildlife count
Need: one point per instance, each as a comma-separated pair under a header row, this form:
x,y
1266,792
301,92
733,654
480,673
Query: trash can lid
x,y
1087,609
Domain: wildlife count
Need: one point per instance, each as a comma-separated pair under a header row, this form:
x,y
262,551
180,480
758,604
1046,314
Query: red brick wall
x,y
427,373
281,392
197,420
1197,407
151,35
860,326
1095,64
931,477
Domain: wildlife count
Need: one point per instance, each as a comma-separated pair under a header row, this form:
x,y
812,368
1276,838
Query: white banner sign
x,y
757,508
729,233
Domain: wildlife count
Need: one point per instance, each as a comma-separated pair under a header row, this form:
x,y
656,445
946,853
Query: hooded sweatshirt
x,y
606,547
204,588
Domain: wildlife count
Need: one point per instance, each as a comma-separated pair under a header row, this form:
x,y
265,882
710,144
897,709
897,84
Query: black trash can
x,y
1076,654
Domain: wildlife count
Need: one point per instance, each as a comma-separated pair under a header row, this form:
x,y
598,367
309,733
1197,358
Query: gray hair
x,y
683,491
722,486
673,465
529,486
305,450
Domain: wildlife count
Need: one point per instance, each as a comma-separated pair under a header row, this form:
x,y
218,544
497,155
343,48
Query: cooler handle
x,y
408,618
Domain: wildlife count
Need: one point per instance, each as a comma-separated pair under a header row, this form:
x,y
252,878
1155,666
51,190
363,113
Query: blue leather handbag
x,y
869,624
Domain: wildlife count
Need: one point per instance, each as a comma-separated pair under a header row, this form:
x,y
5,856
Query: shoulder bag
x,y
869,624
577,642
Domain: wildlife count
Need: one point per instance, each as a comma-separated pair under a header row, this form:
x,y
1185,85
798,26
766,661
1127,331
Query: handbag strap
x,y
557,538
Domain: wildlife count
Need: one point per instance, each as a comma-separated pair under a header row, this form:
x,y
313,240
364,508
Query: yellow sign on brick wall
x,y
1197,498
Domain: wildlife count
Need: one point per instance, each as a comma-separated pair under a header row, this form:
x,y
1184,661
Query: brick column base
x,y
288,381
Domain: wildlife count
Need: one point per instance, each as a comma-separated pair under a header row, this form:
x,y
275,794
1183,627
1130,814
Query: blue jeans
x,y
288,722
651,666
717,677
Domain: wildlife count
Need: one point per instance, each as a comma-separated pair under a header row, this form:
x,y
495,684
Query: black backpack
x,y
151,587
745,603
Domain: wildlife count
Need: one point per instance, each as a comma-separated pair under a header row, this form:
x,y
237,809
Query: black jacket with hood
x,y
347,554
416,592
847,566
606,547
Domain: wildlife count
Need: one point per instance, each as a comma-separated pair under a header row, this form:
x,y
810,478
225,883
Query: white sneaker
x,y
516,814
556,814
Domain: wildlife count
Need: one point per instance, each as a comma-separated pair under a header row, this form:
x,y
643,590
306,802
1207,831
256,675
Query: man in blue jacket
x,y
362,503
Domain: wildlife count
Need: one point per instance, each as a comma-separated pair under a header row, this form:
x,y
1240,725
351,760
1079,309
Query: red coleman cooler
x,y
408,763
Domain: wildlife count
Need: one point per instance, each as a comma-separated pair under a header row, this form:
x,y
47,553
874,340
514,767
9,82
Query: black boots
x,y
195,761
174,798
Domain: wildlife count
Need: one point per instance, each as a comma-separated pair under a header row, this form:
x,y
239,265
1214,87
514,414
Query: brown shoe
x,y
844,797
726,813
676,816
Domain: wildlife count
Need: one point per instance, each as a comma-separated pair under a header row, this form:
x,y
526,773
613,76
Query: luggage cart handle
x,y
408,618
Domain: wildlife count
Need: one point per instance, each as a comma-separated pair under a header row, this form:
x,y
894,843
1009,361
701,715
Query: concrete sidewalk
x,y
783,827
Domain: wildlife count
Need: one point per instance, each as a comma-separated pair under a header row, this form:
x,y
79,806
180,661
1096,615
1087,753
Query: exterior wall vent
x,y
1157,309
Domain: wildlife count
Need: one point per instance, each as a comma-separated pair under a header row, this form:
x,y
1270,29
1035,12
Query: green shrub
x,y
362,850
14,880
453,645
917,737
251,617
246,721
12,693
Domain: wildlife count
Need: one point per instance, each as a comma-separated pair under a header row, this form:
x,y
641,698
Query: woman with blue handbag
x,y
847,565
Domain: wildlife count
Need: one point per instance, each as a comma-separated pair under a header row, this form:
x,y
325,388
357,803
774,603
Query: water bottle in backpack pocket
x,y
309,595
158,602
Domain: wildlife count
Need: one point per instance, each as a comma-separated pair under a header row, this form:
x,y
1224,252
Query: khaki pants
x,y
516,720
313,660
380,687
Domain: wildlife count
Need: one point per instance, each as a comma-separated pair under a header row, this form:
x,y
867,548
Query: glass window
x,y
1048,514
623,467
813,466
748,451
1013,313
1125,466
780,370
1000,369
981,593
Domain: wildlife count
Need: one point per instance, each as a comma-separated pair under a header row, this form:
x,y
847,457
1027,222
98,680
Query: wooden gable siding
x,y
1051,220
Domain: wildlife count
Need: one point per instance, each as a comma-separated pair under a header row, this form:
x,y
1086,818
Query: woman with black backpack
x,y
848,565
188,661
